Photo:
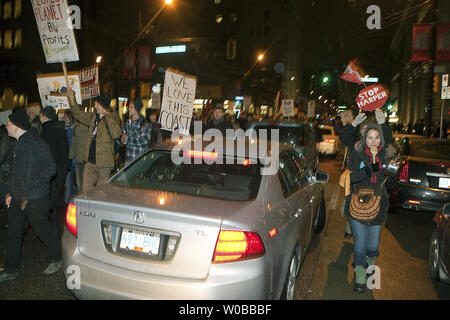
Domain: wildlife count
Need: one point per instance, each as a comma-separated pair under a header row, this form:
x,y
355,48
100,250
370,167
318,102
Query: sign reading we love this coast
x,y
56,30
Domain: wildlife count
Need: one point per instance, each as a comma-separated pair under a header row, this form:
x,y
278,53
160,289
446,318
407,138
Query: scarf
x,y
375,175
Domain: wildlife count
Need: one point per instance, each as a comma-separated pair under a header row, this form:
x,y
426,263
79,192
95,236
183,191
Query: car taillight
x,y
235,246
330,140
404,172
71,219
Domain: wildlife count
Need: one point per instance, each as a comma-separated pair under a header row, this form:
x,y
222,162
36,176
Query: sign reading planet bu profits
x,y
55,30
372,98
178,102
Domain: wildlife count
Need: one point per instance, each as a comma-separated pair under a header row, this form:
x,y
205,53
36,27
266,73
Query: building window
x,y
234,17
17,8
18,38
219,18
217,1
7,10
7,41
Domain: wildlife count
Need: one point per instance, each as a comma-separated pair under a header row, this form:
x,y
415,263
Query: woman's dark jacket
x,y
361,175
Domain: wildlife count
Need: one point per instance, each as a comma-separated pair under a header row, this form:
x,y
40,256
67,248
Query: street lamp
x,y
260,56
169,2
99,59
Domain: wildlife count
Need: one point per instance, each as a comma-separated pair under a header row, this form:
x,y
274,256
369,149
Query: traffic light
x,y
325,79
436,84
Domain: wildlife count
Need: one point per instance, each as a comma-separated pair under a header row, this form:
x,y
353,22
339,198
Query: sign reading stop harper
x,y
178,101
372,98
56,30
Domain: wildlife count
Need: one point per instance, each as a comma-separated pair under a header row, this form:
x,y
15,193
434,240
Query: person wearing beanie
x,y
28,198
136,133
54,134
98,151
218,120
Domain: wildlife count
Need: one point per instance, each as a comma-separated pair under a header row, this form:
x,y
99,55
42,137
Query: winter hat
x,y
104,100
218,106
49,112
20,119
138,105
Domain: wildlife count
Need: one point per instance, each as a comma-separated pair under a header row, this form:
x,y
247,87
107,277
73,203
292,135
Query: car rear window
x,y
295,135
430,150
156,171
326,132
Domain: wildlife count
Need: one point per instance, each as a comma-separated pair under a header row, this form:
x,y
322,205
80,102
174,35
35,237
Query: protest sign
x,y
178,101
311,113
52,89
89,83
55,30
4,117
156,100
288,108
372,98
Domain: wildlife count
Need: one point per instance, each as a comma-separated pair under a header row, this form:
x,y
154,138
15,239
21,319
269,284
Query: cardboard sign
x,y
372,98
156,100
311,113
178,101
55,30
288,108
89,84
52,89
445,94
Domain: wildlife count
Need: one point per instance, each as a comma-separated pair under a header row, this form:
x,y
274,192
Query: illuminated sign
x,y
171,49
370,80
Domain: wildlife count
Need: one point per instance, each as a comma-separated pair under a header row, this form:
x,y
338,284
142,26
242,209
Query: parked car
x,y
158,230
297,134
328,141
439,253
424,177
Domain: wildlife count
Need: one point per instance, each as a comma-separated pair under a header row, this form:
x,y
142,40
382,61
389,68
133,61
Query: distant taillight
x,y
235,246
404,172
71,219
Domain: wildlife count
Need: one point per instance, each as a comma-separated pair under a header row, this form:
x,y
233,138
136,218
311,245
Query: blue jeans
x,y
366,240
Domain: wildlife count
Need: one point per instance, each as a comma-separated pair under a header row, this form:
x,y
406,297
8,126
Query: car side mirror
x,y
322,177
446,209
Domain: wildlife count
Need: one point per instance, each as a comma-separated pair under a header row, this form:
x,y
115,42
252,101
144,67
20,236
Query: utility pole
x,y
429,92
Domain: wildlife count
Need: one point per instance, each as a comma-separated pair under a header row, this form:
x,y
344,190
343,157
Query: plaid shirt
x,y
139,135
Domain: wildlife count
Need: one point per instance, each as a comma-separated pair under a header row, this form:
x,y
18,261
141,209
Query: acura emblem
x,y
138,217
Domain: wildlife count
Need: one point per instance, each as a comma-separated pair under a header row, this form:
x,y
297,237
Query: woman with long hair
x,y
368,163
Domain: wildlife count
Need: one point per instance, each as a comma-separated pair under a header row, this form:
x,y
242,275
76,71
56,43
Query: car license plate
x,y
444,183
140,241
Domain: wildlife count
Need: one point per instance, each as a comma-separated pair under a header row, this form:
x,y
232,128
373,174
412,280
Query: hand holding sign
x,y
372,98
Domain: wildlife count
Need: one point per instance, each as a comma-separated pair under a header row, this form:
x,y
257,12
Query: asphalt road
x,y
326,272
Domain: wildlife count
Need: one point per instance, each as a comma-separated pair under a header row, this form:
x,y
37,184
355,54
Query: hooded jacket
x,y
364,172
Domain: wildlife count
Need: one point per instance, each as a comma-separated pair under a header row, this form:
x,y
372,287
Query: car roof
x,y
191,143
279,123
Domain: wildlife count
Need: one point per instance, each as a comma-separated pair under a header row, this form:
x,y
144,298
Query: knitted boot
x,y
360,279
370,262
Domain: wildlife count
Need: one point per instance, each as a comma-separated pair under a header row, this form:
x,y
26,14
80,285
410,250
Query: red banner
x,y
421,43
372,98
443,43
129,64
145,67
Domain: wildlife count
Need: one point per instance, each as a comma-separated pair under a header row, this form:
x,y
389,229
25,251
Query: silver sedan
x,y
160,230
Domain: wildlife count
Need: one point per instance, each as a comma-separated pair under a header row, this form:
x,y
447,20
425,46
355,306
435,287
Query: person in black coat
x,y
7,145
31,169
218,120
367,164
54,134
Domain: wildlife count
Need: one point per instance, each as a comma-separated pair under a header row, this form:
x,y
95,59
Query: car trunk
x,y
188,225
428,173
